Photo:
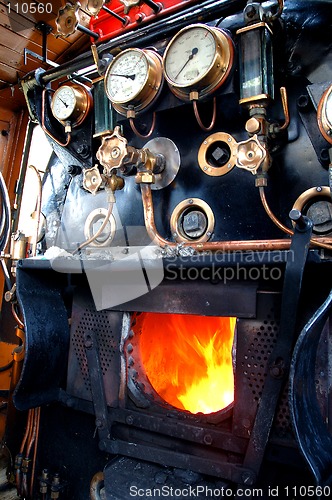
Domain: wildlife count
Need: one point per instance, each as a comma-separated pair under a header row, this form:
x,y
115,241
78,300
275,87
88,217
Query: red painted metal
x,y
108,27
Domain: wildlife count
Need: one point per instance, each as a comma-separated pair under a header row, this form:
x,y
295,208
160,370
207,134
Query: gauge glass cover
x,y
64,102
126,76
190,56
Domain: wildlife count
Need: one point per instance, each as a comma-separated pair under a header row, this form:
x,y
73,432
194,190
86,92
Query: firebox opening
x,y
188,359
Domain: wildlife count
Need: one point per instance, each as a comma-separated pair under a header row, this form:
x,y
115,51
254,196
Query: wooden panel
x,y
18,32
11,99
16,61
24,28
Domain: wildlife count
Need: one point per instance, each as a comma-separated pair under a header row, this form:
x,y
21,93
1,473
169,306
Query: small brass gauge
x,y
198,59
71,103
324,114
134,79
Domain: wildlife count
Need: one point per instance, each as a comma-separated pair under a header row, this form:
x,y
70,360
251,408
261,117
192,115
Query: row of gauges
x,y
196,62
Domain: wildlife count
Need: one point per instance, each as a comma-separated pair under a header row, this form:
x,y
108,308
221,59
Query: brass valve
x,y
128,4
251,155
114,153
67,19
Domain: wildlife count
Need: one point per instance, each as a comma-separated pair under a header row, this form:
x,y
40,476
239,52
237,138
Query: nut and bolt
x,y
207,439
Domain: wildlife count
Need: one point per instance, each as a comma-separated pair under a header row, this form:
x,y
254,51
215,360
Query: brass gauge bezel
x,y
149,89
214,76
308,198
325,126
175,222
206,166
83,104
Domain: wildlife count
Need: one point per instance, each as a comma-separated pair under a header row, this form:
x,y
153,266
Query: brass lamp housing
x,y
83,104
149,89
217,72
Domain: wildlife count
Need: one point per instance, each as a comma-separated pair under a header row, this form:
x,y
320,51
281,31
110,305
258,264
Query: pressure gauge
x,y
198,59
324,114
134,78
71,103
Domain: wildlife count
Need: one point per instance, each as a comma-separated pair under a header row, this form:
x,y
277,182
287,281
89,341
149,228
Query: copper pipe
x,y
31,433
279,11
95,486
38,209
35,451
98,233
134,129
63,144
213,119
26,431
18,475
284,100
224,246
269,212
253,245
30,442
16,316
321,242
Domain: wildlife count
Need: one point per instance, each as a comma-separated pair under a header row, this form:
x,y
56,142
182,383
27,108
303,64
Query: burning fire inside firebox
x,y
188,359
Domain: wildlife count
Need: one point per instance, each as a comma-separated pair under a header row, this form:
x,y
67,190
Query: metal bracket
x,y
281,356
45,30
306,105
97,385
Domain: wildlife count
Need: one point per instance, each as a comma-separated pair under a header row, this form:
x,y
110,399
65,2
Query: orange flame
x,y
188,359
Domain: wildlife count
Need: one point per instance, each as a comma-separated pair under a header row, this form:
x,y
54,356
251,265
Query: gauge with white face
x,y
324,114
198,58
71,103
133,78
63,103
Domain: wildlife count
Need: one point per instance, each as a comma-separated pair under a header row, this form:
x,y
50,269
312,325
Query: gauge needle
x,y
63,102
132,77
193,53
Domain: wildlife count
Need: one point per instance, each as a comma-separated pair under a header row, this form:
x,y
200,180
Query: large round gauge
x,y
324,114
198,59
133,78
71,103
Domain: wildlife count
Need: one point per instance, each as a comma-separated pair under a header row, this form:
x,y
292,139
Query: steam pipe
x,y
5,230
256,245
322,242
16,316
39,200
35,451
251,245
100,230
